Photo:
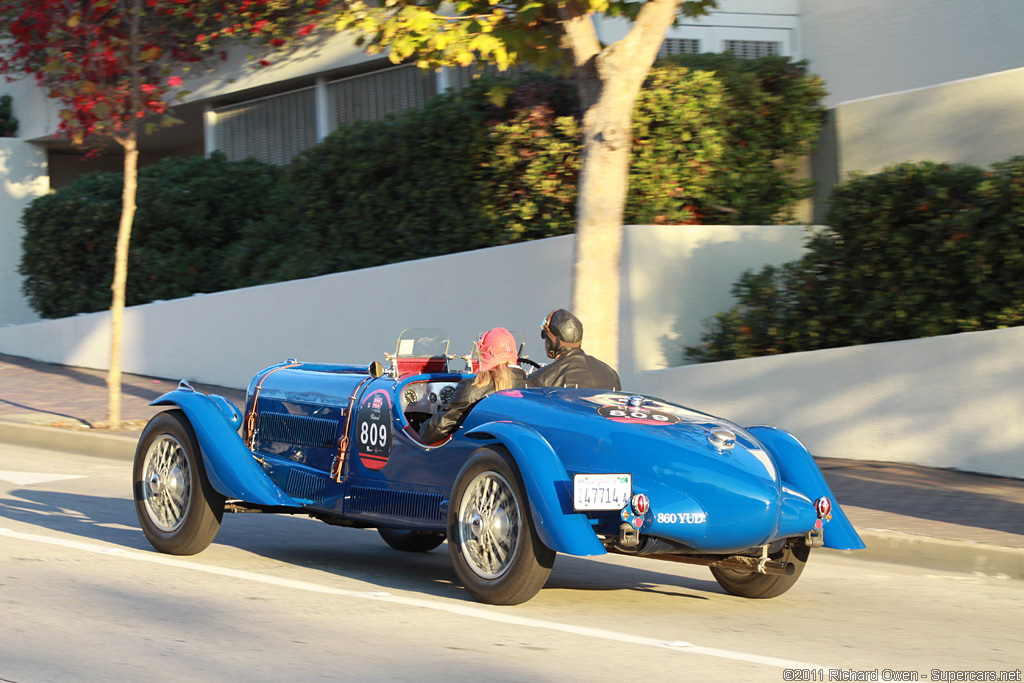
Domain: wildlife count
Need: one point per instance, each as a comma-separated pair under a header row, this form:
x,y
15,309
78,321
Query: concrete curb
x,y
883,545
928,552
72,441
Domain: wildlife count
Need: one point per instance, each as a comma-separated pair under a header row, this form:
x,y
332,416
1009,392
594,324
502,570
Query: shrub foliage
x,y
466,171
190,211
914,251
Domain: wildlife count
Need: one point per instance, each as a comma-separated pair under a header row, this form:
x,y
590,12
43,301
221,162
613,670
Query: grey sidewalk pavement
x,y
931,518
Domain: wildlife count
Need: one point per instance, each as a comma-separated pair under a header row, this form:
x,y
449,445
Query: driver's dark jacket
x,y
454,412
576,369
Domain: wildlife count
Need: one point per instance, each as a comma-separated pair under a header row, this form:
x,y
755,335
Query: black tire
x,y
760,586
178,509
492,540
411,541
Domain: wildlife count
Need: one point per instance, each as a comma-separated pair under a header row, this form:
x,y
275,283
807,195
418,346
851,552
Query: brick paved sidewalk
x,y
76,398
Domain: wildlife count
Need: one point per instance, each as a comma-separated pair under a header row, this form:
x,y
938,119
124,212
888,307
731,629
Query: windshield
x,y
422,342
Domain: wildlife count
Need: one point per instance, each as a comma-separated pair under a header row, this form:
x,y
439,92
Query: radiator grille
x,y
305,485
409,504
315,432
336,369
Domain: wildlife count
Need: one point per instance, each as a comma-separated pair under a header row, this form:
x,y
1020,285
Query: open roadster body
x,y
529,473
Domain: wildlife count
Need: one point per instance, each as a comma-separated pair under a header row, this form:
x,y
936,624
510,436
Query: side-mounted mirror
x,y
376,369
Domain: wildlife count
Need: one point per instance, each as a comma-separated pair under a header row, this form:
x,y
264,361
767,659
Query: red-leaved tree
x,y
114,64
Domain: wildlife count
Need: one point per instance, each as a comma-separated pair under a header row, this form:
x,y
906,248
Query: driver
x,y
562,333
498,371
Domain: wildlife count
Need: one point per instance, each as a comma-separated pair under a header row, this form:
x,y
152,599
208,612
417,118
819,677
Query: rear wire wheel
x,y
760,586
492,540
178,508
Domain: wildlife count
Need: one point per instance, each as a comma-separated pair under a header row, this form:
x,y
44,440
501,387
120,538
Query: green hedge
x,y
462,173
914,251
189,211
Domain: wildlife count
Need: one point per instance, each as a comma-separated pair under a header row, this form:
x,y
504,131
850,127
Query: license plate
x,y
602,491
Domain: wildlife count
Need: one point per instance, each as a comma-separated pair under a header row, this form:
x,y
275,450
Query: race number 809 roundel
x,y
373,430
637,414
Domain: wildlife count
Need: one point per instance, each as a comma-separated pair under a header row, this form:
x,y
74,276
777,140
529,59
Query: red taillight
x,y
641,504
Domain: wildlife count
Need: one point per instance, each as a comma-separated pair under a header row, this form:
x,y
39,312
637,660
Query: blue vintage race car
x,y
529,473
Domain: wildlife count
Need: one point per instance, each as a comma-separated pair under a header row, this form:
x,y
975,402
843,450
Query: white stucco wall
x,y
673,277
871,47
951,401
23,177
977,121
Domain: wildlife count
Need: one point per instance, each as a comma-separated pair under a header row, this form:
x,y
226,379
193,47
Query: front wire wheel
x,y
491,537
178,509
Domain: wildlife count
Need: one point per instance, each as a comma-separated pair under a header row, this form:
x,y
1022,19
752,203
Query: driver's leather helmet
x,y
561,331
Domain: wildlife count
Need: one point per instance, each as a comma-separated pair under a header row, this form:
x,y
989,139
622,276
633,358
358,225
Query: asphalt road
x,y
83,597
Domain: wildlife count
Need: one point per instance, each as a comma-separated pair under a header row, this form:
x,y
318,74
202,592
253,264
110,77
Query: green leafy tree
x,y
112,65
608,79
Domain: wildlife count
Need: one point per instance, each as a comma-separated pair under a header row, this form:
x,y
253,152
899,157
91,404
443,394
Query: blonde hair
x,y
500,374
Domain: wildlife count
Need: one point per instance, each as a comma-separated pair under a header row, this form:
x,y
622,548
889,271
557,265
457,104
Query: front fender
x,y
230,465
798,469
547,487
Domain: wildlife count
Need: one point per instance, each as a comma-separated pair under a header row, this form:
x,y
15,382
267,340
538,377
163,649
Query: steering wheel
x,y
534,364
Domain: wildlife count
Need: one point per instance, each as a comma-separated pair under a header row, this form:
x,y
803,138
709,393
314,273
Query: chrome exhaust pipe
x,y
752,564
738,562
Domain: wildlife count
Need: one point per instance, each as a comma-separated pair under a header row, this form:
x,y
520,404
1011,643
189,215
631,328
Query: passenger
x,y
498,370
562,333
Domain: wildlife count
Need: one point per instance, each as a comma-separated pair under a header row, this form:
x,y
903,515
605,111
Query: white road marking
x,y
500,615
30,478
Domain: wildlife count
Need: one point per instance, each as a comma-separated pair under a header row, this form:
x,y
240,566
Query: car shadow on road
x,y
110,520
354,554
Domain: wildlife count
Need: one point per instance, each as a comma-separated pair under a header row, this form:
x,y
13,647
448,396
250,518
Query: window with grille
x,y
375,95
272,129
679,46
460,77
752,49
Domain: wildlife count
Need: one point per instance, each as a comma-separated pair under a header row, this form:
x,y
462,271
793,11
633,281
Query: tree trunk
x,y
602,200
124,233
609,81
130,141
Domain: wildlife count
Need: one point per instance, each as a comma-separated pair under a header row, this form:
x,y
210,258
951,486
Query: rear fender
x,y
548,488
230,465
798,469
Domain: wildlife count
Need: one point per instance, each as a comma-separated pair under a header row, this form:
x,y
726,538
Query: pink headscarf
x,y
496,347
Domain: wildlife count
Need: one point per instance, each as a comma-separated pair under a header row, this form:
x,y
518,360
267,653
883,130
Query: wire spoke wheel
x,y
489,525
167,481
492,540
177,506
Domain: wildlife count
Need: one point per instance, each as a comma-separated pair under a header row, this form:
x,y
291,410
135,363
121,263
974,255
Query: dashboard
x,y
426,397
